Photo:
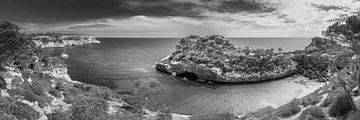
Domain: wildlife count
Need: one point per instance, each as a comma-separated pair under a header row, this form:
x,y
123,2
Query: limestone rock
x,y
63,41
216,59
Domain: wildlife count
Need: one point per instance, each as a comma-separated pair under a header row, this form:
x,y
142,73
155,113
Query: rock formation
x,y
214,58
48,41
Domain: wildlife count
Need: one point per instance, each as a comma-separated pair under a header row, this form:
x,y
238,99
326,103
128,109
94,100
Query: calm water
x,y
117,62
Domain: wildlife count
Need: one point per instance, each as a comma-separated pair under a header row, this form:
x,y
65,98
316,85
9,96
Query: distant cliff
x,y
48,41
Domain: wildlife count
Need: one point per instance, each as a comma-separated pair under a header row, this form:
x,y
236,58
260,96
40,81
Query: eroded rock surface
x,y
63,41
216,59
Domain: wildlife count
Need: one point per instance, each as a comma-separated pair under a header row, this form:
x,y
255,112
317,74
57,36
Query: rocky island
x,y
214,58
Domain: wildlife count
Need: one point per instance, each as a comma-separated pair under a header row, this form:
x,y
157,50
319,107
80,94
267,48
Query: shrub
x,y
354,116
2,83
340,106
310,100
60,115
30,96
270,117
89,109
18,109
55,93
330,98
314,66
219,116
13,45
289,109
315,113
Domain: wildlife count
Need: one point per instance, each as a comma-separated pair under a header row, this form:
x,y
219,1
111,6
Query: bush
x,y
55,93
270,117
314,66
18,109
2,83
340,106
312,113
60,115
330,98
219,116
289,109
310,100
13,45
30,96
89,109
354,116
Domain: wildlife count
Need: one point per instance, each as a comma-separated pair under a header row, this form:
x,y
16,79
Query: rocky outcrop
x,y
64,40
50,93
214,58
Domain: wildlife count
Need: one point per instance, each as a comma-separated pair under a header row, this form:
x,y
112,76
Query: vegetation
x,y
354,115
312,113
348,34
340,106
10,108
14,46
214,52
289,109
313,66
222,116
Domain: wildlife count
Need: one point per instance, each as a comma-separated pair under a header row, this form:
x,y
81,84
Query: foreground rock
x,y
216,59
55,41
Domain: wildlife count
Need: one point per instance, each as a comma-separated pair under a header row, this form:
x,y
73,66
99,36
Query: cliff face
x,y
65,40
216,59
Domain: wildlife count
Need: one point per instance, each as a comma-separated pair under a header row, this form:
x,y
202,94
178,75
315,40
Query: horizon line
x,y
185,36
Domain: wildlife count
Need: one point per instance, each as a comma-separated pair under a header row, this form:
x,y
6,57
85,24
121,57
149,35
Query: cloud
x,y
89,26
330,7
176,18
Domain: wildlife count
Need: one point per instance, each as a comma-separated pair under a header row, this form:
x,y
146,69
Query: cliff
x,y
48,41
49,93
214,58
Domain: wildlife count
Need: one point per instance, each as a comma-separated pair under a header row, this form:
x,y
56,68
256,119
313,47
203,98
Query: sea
x,y
118,62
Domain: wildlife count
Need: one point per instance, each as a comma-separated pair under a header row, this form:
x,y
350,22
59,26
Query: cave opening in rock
x,y
188,75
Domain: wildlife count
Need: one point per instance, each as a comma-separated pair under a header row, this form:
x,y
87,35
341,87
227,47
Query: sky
x,y
179,18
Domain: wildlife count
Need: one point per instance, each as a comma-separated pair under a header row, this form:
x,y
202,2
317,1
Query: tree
x,y
13,45
349,34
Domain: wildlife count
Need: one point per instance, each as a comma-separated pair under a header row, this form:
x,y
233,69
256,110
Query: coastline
x,y
63,41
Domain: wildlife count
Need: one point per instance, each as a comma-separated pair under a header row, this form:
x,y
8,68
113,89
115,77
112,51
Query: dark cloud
x,y
58,11
233,6
75,27
50,11
329,7
286,19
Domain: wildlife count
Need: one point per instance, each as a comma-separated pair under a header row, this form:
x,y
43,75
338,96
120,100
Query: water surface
x,y
117,62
